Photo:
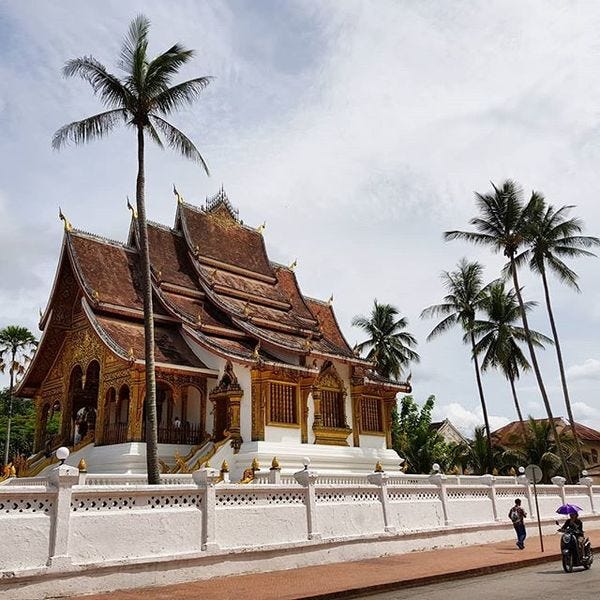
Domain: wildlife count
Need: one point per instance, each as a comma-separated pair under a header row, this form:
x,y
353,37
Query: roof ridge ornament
x,y
179,197
330,301
293,265
261,227
221,199
132,209
66,222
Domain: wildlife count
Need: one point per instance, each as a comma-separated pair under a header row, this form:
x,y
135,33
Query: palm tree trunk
x,y
151,424
10,405
486,421
518,408
536,370
561,369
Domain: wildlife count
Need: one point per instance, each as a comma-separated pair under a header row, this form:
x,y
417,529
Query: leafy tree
x,y
419,444
388,344
499,338
502,225
473,456
140,98
459,307
554,236
22,424
16,344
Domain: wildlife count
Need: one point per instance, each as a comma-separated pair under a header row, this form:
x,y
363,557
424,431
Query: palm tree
x,y
502,225
389,346
474,455
554,236
498,337
139,99
459,307
16,343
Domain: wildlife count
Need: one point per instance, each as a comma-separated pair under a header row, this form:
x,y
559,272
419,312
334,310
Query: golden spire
x,y
82,466
261,227
133,210
275,464
225,467
378,467
178,195
294,264
255,466
67,224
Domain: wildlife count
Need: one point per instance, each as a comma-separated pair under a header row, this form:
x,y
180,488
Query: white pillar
x,y
307,478
440,480
588,482
206,478
490,481
522,479
381,479
560,482
63,478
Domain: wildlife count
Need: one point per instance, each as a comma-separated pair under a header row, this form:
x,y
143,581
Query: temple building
x,y
246,365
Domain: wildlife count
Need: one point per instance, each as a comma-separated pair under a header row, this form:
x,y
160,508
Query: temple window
x,y
332,406
123,405
283,403
371,417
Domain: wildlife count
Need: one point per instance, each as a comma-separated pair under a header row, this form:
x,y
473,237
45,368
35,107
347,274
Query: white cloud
x,y
465,419
589,369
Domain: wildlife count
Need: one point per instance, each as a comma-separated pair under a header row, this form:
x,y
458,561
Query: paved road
x,y
547,581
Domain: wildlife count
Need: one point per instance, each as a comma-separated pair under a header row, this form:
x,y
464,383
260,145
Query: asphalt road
x,y
542,582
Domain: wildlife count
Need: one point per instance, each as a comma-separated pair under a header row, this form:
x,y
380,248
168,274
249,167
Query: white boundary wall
x,y
73,533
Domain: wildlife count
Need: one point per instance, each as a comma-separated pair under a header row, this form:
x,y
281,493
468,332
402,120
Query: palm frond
x,y
91,128
180,95
178,141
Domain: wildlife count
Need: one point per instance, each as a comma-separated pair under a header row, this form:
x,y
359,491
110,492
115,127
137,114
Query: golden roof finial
x,y
294,264
133,210
261,227
199,319
131,355
275,464
41,313
196,250
308,343
82,466
67,224
378,467
178,195
214,274
256,352
247,308
225,467
96,295
330,301
255,466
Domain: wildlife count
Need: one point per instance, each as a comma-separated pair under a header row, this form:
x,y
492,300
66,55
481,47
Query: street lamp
x,y
62,454
521,470
435,467
306,462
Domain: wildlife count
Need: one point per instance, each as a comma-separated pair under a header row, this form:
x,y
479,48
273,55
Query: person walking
x,y
517,516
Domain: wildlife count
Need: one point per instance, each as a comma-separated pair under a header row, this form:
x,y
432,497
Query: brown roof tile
x,y
326,317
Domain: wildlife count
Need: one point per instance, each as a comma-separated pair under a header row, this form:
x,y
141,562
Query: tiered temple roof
x,y
213,285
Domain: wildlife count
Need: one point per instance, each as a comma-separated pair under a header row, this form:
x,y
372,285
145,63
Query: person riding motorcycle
x,y
574,526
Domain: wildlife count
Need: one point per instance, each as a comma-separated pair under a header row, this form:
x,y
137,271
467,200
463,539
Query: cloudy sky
x,y
357,130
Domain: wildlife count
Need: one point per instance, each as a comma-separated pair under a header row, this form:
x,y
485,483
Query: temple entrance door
x,y
84,402
221,418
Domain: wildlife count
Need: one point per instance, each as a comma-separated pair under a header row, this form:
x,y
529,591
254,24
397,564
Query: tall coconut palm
x,y
502,226
553,236
389,346
140,98
16,344
459,307
499,338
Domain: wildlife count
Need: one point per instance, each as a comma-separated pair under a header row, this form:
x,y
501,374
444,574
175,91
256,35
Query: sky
x,y
358,131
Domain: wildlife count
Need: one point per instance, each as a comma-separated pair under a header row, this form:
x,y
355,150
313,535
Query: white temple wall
x,y
59,528
277,435
372,441
244,378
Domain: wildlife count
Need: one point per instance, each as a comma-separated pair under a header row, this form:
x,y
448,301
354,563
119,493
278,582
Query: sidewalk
x,y
350,579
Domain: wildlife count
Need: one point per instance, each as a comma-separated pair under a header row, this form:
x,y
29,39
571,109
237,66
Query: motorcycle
x,y
570,551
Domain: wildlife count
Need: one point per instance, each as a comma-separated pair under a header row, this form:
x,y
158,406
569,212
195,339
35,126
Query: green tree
x,y
459,307
141,99
541,449
474,455
499,338
16,344
388,344
554,236
502,225
419,444
22,424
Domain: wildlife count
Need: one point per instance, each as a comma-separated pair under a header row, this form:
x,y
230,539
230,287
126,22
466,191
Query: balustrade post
x,y
63,478
560,482
440,480
206,478
490,481
589,482
381,479
522,479
308,478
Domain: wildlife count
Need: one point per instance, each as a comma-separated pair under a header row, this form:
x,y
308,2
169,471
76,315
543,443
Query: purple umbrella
x,y
567,509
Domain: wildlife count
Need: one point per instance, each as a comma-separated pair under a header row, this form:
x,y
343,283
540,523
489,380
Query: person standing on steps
x,y
517,515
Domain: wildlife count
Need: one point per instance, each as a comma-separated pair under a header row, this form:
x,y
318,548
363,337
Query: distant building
x,y
509,436
449,433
